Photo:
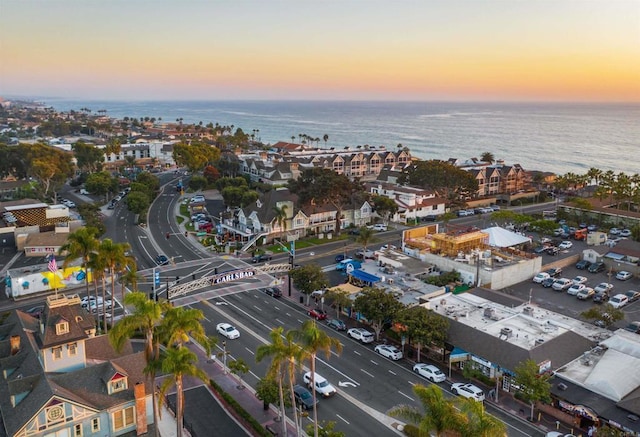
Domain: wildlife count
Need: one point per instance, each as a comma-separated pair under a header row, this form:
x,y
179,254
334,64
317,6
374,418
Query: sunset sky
x,y
515,50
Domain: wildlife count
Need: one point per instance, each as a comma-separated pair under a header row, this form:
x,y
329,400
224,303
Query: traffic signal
x,y
168,235
186,233
177,279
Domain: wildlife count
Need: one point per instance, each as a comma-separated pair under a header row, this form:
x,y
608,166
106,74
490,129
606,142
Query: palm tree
x,y
277,350
281,218
79,245
145,317
440,414
116,261
366,237
177,363
314,340
477,422
97,265
180,324
594,174
487,157
325,138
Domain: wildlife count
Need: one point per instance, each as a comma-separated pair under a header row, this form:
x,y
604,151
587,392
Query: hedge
x,y
257,427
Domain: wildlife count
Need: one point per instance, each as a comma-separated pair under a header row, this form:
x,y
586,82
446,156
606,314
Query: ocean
x,y
557,137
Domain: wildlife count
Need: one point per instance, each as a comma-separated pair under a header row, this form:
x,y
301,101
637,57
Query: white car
x,y
322,385
565,245
575,289
227,330
585,293
625,233
619,300
90,300
96,306
432,373
603,287
623,275
562,284
540,277
469,391
360,334
579,280
389,351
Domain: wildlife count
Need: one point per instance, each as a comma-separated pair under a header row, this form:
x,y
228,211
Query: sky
x,y
422,50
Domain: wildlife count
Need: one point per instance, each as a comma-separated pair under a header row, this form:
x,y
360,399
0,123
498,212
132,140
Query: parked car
x,y
623,275
97,306
633,327
575,289
554,271
432,373
261,258
625,233
317,313
601,297
86,301
548,283
583,264
322,385
614,231
585,293
632,295
339,258
552,250
360,334
366,254
597,267
580,280
540,277
273,291
561,284
389,351
619,300
378,227
467,390
565,245
603,286
336,324
227,330
303,397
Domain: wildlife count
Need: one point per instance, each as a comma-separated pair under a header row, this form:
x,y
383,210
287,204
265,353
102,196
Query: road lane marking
x,y
250,351
300,321
277,308
392,372
364,371
288,314
356,352
280,321
255,376
342,418
373,362
406,396
412,383
258,308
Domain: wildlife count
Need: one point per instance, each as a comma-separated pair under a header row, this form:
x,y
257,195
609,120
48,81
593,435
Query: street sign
x,y
157,278
293,248
201,234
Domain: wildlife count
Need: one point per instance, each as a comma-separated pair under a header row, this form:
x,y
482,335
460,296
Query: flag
x,y
53,266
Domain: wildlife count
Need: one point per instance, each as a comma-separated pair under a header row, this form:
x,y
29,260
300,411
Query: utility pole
x,y
292,255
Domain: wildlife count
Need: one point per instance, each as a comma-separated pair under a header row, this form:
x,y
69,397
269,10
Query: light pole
x,y
224,356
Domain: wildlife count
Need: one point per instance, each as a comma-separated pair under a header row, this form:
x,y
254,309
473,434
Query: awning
x,y
348,288
364,276
458,355
615,256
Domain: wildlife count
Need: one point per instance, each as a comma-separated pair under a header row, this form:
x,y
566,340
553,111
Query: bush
x,y
412,430
260,430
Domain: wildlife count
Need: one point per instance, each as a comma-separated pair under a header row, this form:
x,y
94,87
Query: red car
x,y
317,314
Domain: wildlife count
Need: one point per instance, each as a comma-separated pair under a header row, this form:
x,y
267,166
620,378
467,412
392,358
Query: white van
x,y
322,385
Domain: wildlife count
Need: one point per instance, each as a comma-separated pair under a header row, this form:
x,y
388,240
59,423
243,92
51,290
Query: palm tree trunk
x,y
292,380
283,411
313,391
179,400
113,292
104,298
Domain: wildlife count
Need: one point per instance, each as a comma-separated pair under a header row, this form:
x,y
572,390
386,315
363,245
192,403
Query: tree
x,y
385,207
365,237
313,341
239,367
195,156
605,315
534,385
177,363
116,261
325,137
181,324
439,414
487,157
309,278
377,306
477,423
79,245
211,174
453,183
323,186
423,327
138,202
281,218
145,318
101,183
267,390
88,157
340,299
150,181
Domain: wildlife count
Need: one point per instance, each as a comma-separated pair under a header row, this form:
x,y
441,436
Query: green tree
x,y
454,183
340,299
267,391
487,157
177,363
377,306
423,327
384,207
308,278
439,415
116,261
149,180
180,324
101,183
137,202
89,158
477,422
313,341
90,212
280,218
605,314
195,156
145,318
239,367
534,386
79,245
365,237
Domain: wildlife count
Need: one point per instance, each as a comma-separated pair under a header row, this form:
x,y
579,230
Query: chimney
x,y
15,344
141,410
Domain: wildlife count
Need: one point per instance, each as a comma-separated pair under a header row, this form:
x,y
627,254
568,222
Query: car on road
x,y
336,324
554,272
580,280
317,313
84,192
378,227
601,297
623,275
565,245
585,293
227,330
467,390
603,286
322,385
540,277
303,397
261,258
162,260
272,291
583,264
339,258
575,289
632,295
360,334
389,351
597,267
432,373
354,231
619,300
561,284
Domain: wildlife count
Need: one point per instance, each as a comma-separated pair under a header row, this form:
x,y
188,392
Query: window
x,y
62,328
123,418
73,349
95,425
56,352
77,430
118,385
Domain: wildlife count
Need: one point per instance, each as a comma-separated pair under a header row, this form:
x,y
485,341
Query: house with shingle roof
x,y
59,378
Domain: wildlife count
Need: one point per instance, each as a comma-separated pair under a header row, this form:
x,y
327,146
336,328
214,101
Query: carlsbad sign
x,y
235,275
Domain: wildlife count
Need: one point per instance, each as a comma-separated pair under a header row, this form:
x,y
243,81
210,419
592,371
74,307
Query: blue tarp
x,y
364,276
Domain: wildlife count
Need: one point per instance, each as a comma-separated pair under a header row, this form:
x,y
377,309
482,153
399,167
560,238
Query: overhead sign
x,y
232,276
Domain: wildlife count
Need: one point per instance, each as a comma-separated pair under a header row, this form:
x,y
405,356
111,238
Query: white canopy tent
x,y
500,237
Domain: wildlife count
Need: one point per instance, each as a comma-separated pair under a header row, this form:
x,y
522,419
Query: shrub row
x,y
248,418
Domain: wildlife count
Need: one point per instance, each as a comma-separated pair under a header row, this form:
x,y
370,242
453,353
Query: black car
x,y
339,258
162,260
261,258
273,291
429,218
552,250
583,264
303,397
548,283
597,267
554,272
601,297
354,231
